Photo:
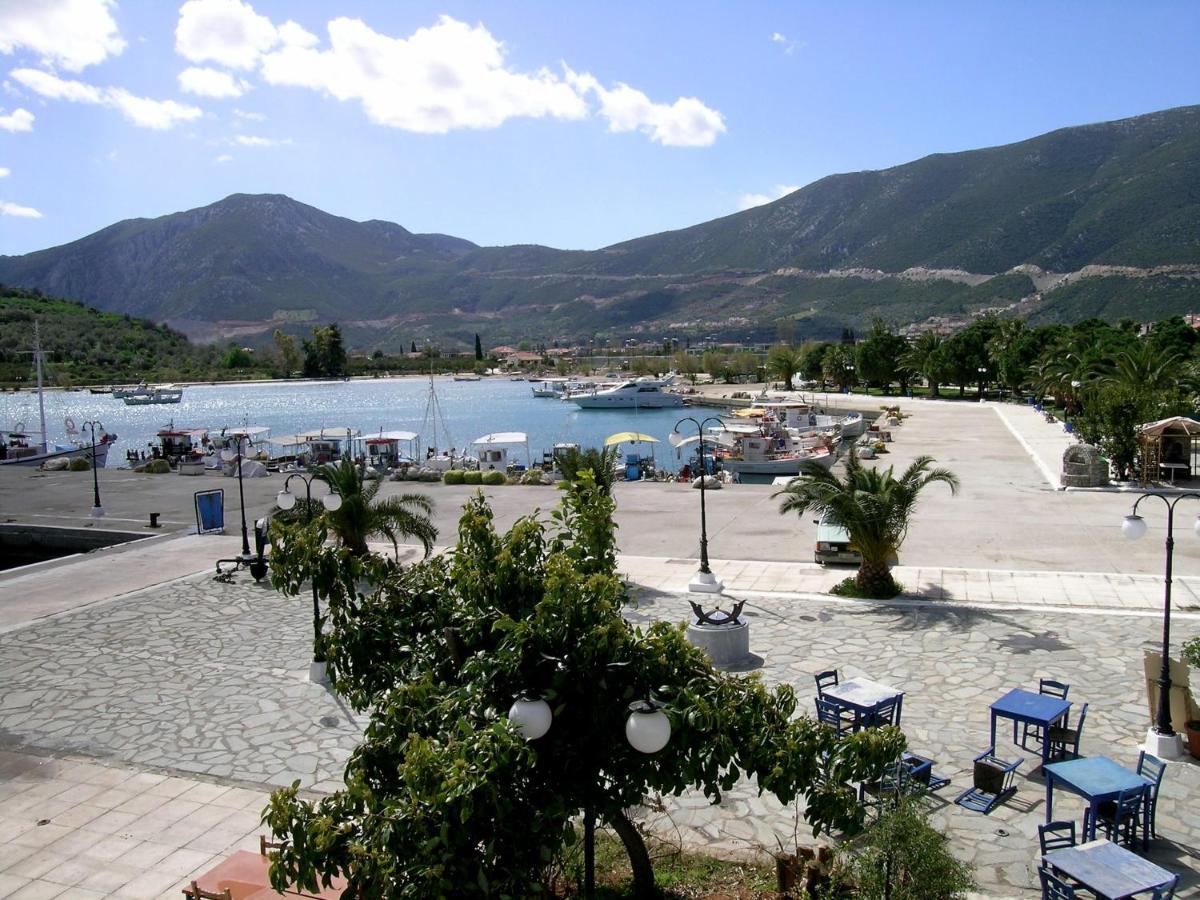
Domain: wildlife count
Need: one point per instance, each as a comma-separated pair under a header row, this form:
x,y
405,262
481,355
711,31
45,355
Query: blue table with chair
x,y
1106,870
1027,708
1124,794
873,704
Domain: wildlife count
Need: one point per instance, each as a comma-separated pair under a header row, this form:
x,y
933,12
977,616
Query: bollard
x,y
154,520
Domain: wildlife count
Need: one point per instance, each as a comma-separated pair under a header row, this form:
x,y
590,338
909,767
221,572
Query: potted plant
x,y
1191,654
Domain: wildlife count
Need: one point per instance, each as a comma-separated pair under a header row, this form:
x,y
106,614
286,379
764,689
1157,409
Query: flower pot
x,y
1193,738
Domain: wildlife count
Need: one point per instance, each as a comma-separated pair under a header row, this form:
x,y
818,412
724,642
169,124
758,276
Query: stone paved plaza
x,y
203,680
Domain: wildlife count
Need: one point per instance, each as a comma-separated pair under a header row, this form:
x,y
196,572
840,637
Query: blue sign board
x,y
210,512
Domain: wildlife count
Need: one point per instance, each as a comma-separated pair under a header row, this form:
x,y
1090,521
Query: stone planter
x,y
1193,738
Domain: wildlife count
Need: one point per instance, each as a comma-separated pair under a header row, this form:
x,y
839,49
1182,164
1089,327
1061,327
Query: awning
x,y
247,431
1175,423
629,437
389,436
328,434
501,437
288,440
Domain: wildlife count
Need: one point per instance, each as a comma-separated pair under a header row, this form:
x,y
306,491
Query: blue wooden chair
x,y
1119,818
1153,768
1054,887
1056,835
886,713
910,775
825,680
1064,742
836,717
992,782
1031,732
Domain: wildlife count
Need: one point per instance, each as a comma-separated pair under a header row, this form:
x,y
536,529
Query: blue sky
x,y
568,124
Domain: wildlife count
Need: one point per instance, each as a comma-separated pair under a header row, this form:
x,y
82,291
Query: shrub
x,y
472,477
453,476
79,464
157,467
533,476
495,478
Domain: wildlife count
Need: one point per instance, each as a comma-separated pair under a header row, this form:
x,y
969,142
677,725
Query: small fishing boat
x,y
385,450
492,450
146,396
466,377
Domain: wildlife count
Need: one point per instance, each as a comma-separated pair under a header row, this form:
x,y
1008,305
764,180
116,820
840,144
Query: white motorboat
x,y
148,396
466,377
644,393
551,387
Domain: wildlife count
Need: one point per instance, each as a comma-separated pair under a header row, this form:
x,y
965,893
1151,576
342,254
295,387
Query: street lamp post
x,y
982,381
97,509
1162,740
228,455
332,502
703,581
647,729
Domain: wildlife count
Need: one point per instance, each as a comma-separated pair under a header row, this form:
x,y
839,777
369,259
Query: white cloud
x,y
782,40
56,88
141,111
231,33
685,123
72,34
206,82
447,76
249,116
146,113
23,212
247,140
4,173
749,201
17,120
223,158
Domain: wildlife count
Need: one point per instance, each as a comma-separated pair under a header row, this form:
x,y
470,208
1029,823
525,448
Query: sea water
x,y
469,410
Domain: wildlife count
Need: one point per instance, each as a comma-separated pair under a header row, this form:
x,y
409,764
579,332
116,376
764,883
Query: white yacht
x,y
644,393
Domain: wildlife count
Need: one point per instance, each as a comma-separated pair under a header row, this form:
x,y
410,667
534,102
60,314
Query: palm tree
x,y
921,359
361,516
783,362
872,505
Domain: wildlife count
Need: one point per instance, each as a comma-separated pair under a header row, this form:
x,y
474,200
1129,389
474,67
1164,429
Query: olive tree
x,y
445,796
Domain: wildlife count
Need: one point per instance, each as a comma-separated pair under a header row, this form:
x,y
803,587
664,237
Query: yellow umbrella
x,y
623,437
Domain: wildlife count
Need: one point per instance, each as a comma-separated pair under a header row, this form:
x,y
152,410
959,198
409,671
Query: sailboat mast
x,y
37,357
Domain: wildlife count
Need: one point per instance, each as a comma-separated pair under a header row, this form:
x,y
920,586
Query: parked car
x,y
833,543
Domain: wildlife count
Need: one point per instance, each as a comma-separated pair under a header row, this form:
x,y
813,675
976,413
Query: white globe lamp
x,y
647,729
532,717
332,502
1133,527
285,500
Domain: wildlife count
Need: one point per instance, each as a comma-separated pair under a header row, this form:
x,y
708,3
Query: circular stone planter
x,y
728,646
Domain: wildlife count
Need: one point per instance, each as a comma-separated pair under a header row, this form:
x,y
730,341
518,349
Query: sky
x,y
573,124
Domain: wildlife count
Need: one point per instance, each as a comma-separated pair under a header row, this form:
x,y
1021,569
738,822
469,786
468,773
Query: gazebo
x,y
1169,448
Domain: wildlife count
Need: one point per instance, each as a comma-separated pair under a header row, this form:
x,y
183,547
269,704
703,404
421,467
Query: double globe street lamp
x,y
703,581
1162,740
332,501
647,729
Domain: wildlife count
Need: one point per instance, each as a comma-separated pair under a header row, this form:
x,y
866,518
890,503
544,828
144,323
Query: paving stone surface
x,y
199,678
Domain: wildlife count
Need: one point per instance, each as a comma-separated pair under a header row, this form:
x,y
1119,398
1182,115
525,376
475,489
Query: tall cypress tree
x,y
478,348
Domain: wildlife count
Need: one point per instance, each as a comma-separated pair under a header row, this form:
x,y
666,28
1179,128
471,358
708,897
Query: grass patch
x,y
680,875
849,588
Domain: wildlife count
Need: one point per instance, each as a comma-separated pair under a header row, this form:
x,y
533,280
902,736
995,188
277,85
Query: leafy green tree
x,y
716,364
837,365
783,364
686,364
289,355
361,516
873,506
325,354
812,357
901,856
1174,336
878,356
922,358
444,797
237,358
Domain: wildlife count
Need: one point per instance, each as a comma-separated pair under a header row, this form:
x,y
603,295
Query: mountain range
x,y
1100,219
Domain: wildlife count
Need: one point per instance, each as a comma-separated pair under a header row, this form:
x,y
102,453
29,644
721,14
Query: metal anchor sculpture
x,y
717,617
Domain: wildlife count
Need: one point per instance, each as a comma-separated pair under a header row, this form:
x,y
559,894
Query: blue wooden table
x,y
1035,709
863,697
1108,870
1095,779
